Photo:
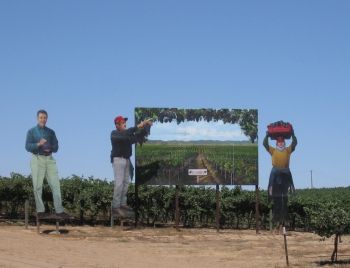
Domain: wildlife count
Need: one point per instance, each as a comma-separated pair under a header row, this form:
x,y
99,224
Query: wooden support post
x,y
57,227
285,244
26,213
112,216
37,224
177,208
218,207
270,220
257,205
137,203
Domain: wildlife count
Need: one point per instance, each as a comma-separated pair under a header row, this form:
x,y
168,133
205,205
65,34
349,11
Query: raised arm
x,y
294,141
123,137
266,142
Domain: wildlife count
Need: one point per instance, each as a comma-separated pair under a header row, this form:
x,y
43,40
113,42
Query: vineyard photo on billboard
x,y
198,147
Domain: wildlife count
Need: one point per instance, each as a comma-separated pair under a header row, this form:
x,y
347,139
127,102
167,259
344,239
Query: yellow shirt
x,y
280,159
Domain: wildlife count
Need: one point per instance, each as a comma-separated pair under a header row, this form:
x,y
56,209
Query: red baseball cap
x,y
120,119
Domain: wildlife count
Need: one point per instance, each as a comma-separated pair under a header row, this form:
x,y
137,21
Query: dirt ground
x,y
86,246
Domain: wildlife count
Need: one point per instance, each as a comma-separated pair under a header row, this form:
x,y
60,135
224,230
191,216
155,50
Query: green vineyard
x,y
226,164
325,211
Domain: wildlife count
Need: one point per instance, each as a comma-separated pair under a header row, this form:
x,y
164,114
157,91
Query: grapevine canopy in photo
x,y
198,147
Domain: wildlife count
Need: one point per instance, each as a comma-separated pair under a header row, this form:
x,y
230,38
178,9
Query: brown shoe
x,y
127,208
64,215
42,215
119,212
123,213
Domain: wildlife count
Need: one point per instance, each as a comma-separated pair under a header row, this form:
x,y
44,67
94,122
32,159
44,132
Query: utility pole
x,y
312,184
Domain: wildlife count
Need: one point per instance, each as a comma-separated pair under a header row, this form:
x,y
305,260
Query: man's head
x,y
280,143
42,118
120,122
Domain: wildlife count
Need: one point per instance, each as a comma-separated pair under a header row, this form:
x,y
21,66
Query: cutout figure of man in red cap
x,y
122,139
281,180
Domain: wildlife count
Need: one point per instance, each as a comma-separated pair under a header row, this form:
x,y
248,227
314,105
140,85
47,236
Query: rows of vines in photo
x,y
227,163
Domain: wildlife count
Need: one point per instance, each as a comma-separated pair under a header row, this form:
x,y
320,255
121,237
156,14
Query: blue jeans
x,y
280,181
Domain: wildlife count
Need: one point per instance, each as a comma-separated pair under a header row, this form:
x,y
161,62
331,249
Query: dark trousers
x,y
279,183
280,209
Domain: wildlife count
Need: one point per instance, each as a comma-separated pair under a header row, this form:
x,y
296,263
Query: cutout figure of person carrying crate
x,y
280,181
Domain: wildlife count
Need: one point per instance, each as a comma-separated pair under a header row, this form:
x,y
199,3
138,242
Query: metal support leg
x,y
26,213
112,216
57,227
217,208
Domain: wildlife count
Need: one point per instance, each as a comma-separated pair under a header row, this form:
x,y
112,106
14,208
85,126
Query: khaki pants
x,y
45,166
121,168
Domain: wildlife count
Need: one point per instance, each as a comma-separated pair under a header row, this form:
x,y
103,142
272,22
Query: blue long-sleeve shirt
x,y
35,134
122,142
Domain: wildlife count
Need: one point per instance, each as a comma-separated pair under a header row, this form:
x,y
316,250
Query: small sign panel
x,y
197,172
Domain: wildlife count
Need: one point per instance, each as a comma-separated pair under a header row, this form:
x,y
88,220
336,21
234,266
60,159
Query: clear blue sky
x,y
202,130
87,61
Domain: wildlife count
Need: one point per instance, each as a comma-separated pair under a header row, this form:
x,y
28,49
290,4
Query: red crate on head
x,y
280,129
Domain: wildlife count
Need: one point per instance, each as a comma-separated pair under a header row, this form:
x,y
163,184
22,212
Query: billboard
x,y
198,147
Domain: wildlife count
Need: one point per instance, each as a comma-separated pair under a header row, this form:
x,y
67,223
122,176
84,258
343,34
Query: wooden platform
x,y
121,219
49,217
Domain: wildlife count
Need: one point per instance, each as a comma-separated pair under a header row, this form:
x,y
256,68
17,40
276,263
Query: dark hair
x,y
41,112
